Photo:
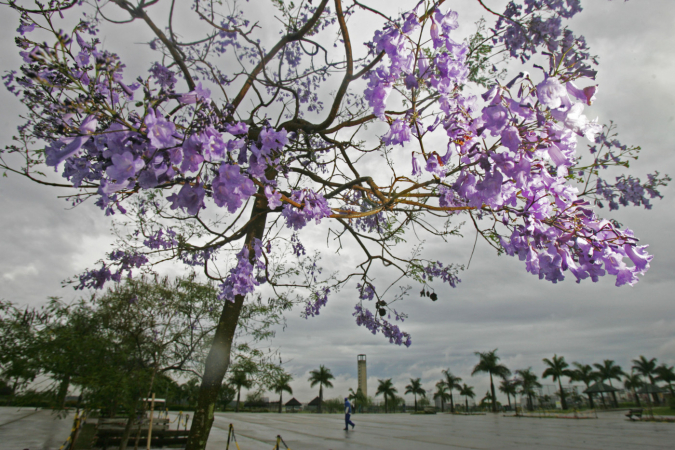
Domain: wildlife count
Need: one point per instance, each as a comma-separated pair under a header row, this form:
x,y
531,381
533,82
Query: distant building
x,y
363,375
293,405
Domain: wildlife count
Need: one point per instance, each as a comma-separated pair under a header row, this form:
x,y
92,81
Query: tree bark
x,y
494,397
563,402
238,397
280,397
655,396
127,428
320,397
218,359
452,403
63,392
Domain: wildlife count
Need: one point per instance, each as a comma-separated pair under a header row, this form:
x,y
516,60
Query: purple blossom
x,y
189,198
163,75
551,93
199,93
124,166
313,206
495,118
273,198
511,138
241,279
398,134
160,131
231,188
317,301
366,318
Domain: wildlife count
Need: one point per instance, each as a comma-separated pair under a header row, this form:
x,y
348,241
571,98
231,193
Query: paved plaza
x,y
28,429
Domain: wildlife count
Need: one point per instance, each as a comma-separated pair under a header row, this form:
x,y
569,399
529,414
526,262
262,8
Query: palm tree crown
x,y
585,374
607,371
452,382
240,379
467,392
281,385
442,393
508,387
321,377
387,389
558,368
667,375
489,363
415,388
528,382
632,382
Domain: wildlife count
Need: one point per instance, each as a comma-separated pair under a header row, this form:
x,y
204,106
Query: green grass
x,y
660,411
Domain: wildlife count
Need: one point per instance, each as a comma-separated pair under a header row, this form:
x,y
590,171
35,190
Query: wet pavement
x,y
440,431
28,429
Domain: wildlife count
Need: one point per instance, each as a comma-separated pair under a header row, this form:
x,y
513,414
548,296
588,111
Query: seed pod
x,y
433,297
383,311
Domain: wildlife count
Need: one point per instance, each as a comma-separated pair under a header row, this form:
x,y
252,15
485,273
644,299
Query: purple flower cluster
x,y
121,262
317,301
366,318
161,240
313,206
242,279
448,274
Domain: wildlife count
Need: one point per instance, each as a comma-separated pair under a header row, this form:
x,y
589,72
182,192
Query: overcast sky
x,y
497,305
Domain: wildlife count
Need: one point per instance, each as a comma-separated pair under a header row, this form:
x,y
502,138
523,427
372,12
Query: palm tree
x,y
387,389
415,388
585,374
240,379
280,385
667,375
632,382
528,381
608,371
466,391
558,368
358,398
647,369
508,387
489,363
442,393
321,377
452,382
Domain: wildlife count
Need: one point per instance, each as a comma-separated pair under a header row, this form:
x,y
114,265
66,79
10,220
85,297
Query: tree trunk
x,y
466,402
442,405
218,359
494,397
320,397
452,403
63,392
127,428
508,397
590,400
281,394
602,396
563,402
637,398
415,402
238,397
655,396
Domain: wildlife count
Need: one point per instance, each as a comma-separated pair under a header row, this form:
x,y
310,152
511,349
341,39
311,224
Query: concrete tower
x,y
363,376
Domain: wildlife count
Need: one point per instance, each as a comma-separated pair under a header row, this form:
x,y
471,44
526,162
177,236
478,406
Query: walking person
x,y
348,414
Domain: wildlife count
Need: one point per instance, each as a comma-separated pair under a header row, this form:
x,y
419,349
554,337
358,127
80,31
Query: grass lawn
x,y
661,411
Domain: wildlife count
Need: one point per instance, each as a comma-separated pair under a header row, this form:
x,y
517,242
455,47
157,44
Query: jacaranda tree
x,y
240,138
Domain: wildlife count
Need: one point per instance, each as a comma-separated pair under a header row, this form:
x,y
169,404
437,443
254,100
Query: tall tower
x,y
363,376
